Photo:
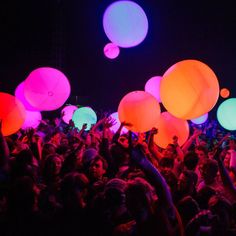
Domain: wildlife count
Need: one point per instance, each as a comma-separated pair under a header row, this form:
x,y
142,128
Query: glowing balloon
x,y
226,114
200,120
189,89
46,88
111,51
224,93
12,113
32,120
140,109
19,93
116,126
152,86
84,115
67,113
169,126
125,23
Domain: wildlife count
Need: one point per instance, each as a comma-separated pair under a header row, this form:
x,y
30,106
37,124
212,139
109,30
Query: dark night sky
x,y
68,35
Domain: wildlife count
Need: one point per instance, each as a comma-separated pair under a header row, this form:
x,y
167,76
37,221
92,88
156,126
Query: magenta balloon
x,y
152,86
19,93
67,113
33,119
46,89
111,51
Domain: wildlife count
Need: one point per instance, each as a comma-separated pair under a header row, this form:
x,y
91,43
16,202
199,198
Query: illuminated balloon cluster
x,y
67,113
152,86
12,113
189,89
84,115
140,109
226,114
169,126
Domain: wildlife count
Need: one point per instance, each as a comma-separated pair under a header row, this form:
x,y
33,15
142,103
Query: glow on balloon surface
x,y
116,126
226,114
125,23
152,86
67,113
200,120
12,113
140,109
169,126
19,93
111,51
46,89
84,115
32,120
189,89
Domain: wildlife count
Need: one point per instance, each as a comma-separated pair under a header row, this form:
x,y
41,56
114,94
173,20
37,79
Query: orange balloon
x,y
169,126
12,114
224,93
140,109
189,89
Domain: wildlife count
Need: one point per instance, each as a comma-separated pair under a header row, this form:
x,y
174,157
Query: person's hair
x,y
202,148
210,166
99,158
166,162
203,196
191,176
191,160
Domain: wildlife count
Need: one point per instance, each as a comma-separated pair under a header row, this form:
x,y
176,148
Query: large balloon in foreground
x,y
226,114
189,89
116,126
46,89
200,120
140,109
32,120
19,93
224,93
84,115
111,51
125,23
67,113
152,86
12,113
169,126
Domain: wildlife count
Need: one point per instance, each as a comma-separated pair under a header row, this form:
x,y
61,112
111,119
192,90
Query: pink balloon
x,y
33,119
111,51
19,93
152,86
67,113
46,89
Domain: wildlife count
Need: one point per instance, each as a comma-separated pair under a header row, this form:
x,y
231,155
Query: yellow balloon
x,y
169,126
189,89
140,109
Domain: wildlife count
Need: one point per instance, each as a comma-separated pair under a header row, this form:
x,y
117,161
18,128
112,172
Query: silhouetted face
x,y
169,152
201,154
96,170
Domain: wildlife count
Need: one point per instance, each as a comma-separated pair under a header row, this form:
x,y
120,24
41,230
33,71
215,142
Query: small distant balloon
x,y
226,114
67,113
19,93
152,86
125,23
12,113
46,88
32,120
224,93
116,126
111,51
84,115
200,120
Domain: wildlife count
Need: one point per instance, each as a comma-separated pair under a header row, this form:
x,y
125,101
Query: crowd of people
x,y
58,180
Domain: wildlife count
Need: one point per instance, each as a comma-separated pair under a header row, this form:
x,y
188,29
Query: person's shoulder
x,y
125,229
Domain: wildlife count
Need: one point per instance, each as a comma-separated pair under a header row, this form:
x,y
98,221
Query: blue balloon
x,y
200,120
125,23
84,115
226,114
